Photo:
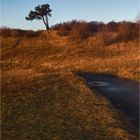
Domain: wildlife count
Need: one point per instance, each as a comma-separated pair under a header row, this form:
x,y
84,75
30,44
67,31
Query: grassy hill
x,y
43,98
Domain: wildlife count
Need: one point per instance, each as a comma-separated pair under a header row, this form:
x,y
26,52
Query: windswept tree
x,y
42,12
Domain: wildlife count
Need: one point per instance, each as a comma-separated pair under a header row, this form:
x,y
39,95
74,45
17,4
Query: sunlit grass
x,y
43,98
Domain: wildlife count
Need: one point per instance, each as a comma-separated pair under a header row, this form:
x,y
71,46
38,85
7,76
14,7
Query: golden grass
x,y
42,98
58,106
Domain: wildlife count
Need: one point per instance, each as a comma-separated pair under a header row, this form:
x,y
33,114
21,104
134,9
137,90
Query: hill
x,y
44,98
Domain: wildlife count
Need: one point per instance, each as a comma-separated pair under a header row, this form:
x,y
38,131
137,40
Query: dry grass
x,y
58,106
42,98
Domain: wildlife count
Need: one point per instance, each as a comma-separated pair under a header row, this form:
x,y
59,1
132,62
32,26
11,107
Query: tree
x,y
42,12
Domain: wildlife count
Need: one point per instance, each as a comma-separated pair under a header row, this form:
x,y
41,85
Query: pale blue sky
x,y
13,12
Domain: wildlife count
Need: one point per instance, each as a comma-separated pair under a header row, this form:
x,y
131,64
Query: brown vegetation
x,y
43,98
7,32
124,31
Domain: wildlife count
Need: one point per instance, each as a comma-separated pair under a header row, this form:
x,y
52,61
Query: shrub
x,y
128,31
63,30
112,26
5,32
31,34
79,31
17,33
108,38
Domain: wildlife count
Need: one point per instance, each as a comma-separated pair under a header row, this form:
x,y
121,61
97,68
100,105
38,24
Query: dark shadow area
x,y
122,93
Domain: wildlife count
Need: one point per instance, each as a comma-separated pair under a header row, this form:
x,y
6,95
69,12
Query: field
x,y
44,98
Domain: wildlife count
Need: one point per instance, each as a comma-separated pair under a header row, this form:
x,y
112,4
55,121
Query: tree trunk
x,y
46,27
47,23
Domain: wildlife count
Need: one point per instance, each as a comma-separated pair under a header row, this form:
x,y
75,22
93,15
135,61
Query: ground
x,y
44,98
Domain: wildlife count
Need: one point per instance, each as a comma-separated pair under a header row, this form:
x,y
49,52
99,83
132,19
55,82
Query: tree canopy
x,y
42,12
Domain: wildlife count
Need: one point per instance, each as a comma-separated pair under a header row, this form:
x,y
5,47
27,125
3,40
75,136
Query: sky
x,y
13,12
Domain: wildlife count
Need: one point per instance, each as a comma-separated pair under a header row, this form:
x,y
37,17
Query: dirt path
x,y
122,93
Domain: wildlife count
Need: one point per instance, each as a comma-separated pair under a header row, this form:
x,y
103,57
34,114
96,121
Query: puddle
x,y
98,84
116,89
122,93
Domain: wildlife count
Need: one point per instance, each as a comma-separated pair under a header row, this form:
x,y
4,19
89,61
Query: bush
x,y
5,32
17,33
31,34
108,38
112,26
79,31
117,32
63,29
128,31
